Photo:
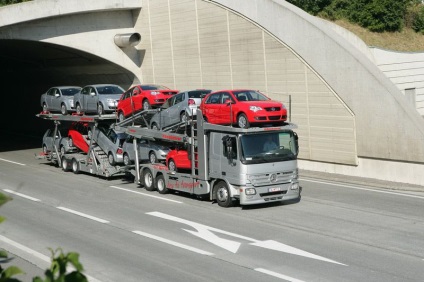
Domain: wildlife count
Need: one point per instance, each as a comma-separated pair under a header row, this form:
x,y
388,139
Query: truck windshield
x,y
268,147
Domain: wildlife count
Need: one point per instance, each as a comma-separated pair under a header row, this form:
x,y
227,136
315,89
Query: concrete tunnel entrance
x,y
28,69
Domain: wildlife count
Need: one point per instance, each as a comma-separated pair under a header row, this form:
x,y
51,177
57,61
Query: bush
x,y
418,22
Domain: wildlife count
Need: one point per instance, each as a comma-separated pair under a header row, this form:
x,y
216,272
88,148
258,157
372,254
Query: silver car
x,y
178,108
59,99
61,140
98,98
147,150
110,141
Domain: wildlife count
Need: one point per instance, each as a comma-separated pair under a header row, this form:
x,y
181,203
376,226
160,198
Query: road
x,y
337,232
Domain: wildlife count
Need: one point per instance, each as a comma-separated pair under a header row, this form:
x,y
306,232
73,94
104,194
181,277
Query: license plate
x,y
275,189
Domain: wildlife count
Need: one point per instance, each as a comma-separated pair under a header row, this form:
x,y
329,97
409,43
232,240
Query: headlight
x,y
255,108
294,186
154,92
71,102
250,191
110,101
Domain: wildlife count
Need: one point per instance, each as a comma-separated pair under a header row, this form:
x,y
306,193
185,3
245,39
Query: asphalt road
x,y
339,231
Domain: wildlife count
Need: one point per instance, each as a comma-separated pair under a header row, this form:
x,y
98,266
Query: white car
x,y
178,108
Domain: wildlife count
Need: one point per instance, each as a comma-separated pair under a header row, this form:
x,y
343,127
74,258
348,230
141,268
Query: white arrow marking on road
x,y
205,234
277,246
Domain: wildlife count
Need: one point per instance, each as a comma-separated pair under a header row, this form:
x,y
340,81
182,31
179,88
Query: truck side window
x,y
229,143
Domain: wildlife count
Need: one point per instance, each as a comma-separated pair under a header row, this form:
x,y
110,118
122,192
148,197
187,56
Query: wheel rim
x,y
63,110
44,107
152,158
121,116
148,179
222,194
74,166
78,109
146,105
183,118
64,164
171,165
62,150
155,127
111,160
100,109
242,121
161,185
44,149
126,160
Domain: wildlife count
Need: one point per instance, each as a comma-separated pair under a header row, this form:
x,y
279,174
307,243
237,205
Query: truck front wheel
x,y
222,195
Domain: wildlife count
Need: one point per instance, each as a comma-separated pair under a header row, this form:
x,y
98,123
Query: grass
x,y
405,41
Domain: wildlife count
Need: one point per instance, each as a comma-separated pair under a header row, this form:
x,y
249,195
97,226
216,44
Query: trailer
x,y
95,161
228,164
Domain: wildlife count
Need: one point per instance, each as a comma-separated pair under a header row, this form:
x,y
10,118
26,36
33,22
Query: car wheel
x,y
100,109
148,180
146,105
155,126
45,107
171,165
152,157
78,109
64,164
121,116
111,159
62,150
63,109
183,117
222,195
242,121
75,166
161,185
71,142
89,134
127,160
45,151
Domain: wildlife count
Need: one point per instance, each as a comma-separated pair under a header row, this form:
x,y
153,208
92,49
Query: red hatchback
x,y
79,133
142,97
177,159
247,107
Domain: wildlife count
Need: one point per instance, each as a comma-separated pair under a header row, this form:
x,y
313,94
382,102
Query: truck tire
x,y
64,164
75,166
161,185
222,195
148,180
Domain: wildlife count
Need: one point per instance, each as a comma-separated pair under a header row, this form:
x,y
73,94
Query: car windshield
x,y
250,95
198,93
154,87
268,147
70,91
109,89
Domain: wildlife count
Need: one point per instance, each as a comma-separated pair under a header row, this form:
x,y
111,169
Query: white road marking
x,y
205,232
278,275
144,194
21,195
83,215
38,255
366,189
173,243
11,162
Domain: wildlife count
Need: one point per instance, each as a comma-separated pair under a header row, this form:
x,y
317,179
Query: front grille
x,y
273,193
273,109
274,117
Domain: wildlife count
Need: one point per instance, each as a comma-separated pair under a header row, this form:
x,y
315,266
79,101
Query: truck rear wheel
x,y
161,185
64,164
148,180
75,166
222,195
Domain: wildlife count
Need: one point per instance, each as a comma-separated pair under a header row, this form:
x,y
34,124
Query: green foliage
x,y
57,271
311,6
418,22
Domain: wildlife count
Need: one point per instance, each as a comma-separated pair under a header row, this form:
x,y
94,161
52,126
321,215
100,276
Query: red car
x,y
78,134
178,159
247,107
142,97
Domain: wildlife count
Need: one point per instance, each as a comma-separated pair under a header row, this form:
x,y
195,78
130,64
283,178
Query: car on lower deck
x,y
178,108
147,150
110,140
59,99
243,108
61,140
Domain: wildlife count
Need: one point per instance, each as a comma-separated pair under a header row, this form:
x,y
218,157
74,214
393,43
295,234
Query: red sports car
x,y
78,134
245,107
143,97
178,159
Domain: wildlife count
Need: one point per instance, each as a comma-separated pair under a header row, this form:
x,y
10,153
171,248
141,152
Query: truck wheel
x,y
148,180
64,164
161,185
242,121
152,158
222,195
75,166
63,109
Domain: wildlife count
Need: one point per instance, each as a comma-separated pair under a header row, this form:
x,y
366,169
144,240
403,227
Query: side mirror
x,y
56,94
92,93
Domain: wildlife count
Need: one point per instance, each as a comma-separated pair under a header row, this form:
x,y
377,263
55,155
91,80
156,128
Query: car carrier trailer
x,y
95,161
228,164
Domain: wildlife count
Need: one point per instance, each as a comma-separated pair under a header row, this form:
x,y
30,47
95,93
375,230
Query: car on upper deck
x,y
178,108
59,99
242,107
98,98
142,97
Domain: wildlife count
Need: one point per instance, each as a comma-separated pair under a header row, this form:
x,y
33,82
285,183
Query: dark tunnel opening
x,y
28,69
